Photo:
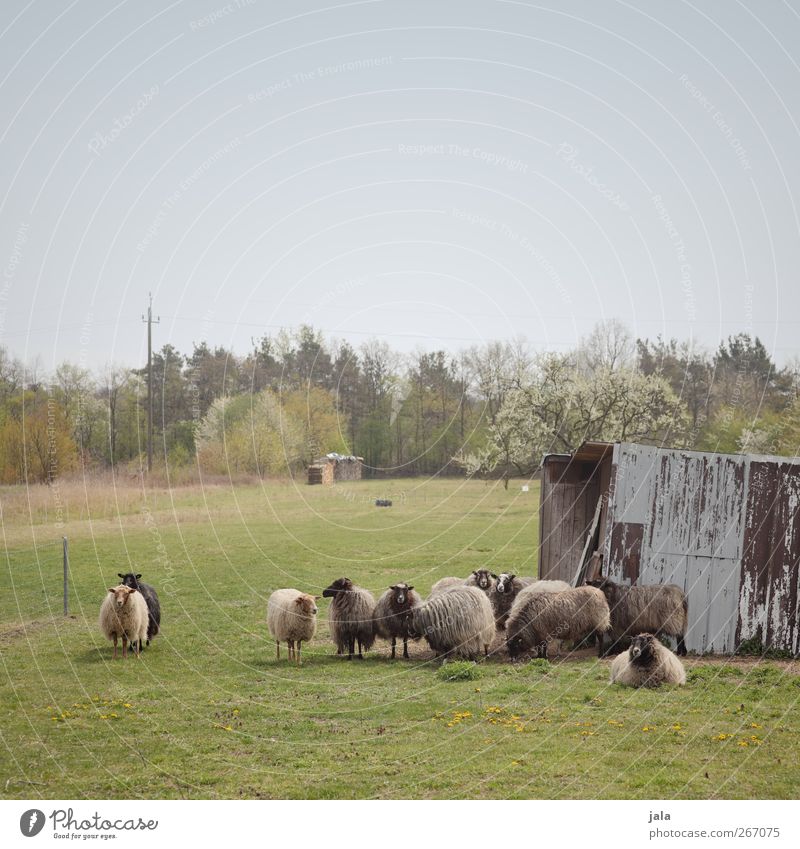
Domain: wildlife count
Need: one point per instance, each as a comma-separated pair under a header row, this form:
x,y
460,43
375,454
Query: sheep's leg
x,y
351,647
115,646
543,649
137,647
486,650
681,645
394,643
297,652
599,637
278,649
290,643
124,647
360,655
405,647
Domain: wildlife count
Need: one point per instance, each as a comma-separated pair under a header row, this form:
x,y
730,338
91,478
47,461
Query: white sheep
x,y
124,615
291,616
648,663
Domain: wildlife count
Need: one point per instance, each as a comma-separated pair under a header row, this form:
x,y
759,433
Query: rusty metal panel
x,y
626,548
768,605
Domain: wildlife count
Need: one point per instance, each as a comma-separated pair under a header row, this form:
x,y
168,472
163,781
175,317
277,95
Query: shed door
x,y
694,540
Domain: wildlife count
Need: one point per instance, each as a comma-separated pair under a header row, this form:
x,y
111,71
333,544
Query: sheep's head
x,y
604,585
307,604
340,585
483,578
504,582
129,579
121,594
408,624
515,645
642,649
400,593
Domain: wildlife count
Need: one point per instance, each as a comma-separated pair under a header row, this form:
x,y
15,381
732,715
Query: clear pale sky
x,y
436,174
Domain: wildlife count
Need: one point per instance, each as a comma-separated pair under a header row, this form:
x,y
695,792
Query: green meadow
x,y
208,712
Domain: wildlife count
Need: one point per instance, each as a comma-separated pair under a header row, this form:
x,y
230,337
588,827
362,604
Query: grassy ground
x,y
208,712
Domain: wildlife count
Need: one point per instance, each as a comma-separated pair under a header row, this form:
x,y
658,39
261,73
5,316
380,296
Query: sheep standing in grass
x,y
458,622
150,596
123,616
291,617
648,663
445,584
390,614
506,588
660,609
350,617
572,614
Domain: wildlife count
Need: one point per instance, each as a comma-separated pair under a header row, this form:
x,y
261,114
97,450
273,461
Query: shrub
x,y
459,670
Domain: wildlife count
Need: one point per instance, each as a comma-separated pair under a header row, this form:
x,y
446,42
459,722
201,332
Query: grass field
x,y
208,712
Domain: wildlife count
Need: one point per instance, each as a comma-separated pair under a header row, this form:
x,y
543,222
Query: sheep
x,y
291,616
123,615
658,609
571,614
648,663
445,584
508,586
480,578
389,614
350,617
458,622
129,579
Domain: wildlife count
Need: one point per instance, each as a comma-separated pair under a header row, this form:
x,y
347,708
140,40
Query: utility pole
x,y
150,321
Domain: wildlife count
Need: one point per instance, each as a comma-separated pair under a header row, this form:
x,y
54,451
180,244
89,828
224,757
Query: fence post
x,y
66,575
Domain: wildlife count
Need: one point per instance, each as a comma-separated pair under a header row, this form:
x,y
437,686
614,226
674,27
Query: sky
x,y
433,174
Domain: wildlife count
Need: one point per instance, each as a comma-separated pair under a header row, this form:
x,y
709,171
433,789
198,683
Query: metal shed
x,y
725,527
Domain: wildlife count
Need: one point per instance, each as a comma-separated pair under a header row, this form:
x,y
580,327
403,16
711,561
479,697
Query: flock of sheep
x,y
460,618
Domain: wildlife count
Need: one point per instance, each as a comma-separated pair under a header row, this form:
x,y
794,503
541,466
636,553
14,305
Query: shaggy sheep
x,y
658,609
458,622
508,586
129,579
482,579
444,584
123,616
291,617
389,614
350,617
648,663
572,614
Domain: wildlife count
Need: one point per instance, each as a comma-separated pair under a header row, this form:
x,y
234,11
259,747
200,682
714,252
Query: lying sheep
x,y
572,614
123,616
350,617
444,584
482,579
508,586
291,617
458,622
389,615
648,663
129,579
658,609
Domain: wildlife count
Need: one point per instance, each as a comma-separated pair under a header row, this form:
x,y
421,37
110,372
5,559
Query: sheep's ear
x,y
410,588
112,589
120,575
138,576
511,577
493,575
393,587
317,597
299,600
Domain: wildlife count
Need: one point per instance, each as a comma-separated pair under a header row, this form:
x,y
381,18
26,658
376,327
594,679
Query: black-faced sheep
x,y
482,579
291,617
445,584
648,663
390,614
130,579
660,609
572,614
506,587
123,616
458,622
350,617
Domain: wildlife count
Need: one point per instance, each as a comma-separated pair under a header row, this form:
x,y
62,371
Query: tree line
x,y
493,409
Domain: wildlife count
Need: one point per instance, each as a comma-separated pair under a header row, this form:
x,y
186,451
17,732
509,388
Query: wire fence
x,y
34,582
